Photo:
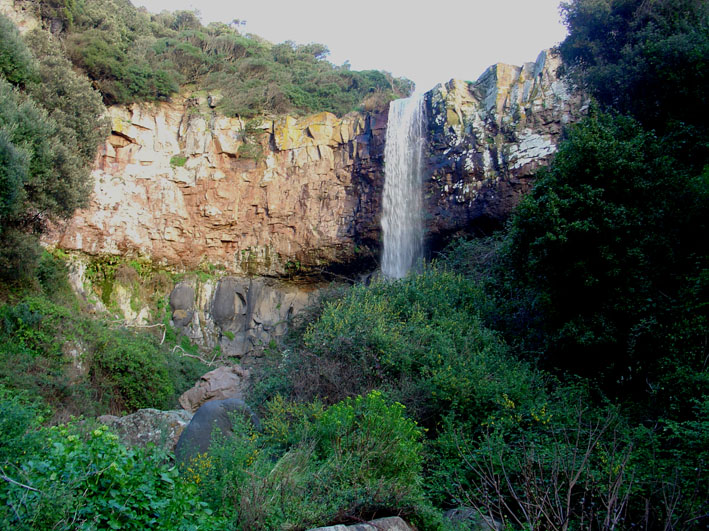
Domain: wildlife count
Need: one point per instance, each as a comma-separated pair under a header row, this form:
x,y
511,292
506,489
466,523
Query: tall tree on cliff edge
x,y
611,244
647,58
50,128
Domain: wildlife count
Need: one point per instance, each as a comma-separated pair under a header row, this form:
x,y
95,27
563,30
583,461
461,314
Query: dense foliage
x,y
311,465
50,128
646,58
133,56
78,476
79,364
611,244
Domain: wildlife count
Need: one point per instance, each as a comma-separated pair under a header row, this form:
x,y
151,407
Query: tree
x,y
607,242
45,155
649,58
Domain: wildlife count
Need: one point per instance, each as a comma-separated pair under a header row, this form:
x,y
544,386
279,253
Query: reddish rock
x,y
221,383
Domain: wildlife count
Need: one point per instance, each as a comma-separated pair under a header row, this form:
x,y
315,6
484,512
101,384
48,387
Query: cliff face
x,y
183,186
488,138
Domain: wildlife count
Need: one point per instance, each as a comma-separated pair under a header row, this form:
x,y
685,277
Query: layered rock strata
x,y
183,186
488,138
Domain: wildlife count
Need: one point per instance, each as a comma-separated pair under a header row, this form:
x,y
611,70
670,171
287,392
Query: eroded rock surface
x,y
392,523
162,428
196,438
488,138
238,314
181,185
221,383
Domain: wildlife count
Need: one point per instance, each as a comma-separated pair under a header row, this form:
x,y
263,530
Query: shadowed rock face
x,y
239,315
179,184
197,436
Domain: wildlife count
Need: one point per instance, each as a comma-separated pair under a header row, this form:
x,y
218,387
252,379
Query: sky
x,y
427,42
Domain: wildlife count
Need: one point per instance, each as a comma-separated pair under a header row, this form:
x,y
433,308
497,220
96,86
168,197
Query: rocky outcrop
x,y
488,138
239,315
392,523
183,186
221,383
22,14
161,428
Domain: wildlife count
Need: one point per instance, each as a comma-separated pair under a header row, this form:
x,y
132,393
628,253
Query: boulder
x,y
162,428
197,436
221,383
392,523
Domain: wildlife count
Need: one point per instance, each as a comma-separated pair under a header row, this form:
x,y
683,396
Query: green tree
x,y
644,57
50,128
606,242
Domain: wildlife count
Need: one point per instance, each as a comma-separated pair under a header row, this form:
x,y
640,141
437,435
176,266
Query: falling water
x,y
401,217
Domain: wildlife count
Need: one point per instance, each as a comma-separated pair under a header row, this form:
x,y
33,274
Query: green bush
x,y
111,369
83,478
314,466
421,339
133,56
16,62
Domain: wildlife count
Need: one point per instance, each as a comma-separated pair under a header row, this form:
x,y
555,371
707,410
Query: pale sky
x,y
428,43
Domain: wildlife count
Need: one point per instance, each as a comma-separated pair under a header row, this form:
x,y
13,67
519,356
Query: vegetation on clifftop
x,y
131,55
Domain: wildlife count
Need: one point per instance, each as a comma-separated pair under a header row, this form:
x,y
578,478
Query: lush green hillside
x,y
131,55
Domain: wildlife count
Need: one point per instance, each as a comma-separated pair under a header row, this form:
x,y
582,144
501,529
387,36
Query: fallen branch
x,y
186,354
10,480
128,325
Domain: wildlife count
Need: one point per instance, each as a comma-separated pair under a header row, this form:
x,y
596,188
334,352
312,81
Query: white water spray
x,y
402,223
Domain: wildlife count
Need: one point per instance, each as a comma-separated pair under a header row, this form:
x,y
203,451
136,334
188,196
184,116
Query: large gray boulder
x,y
196,438
392,523
161,428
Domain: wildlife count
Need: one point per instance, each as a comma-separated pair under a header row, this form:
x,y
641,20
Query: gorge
x,y
183,188
180,185
242,253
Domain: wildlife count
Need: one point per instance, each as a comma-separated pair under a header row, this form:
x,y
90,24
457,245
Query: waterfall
x,y
402,223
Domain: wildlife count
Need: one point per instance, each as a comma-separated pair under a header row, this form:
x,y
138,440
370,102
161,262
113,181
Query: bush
x,y
421,339
84,366
83,478
313,466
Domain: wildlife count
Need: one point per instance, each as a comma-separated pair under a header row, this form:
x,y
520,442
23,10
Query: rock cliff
x,y
183,186
488,138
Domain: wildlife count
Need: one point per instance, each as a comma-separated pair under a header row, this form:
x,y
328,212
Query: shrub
x,y
314,466
109,370
419,338
83,478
